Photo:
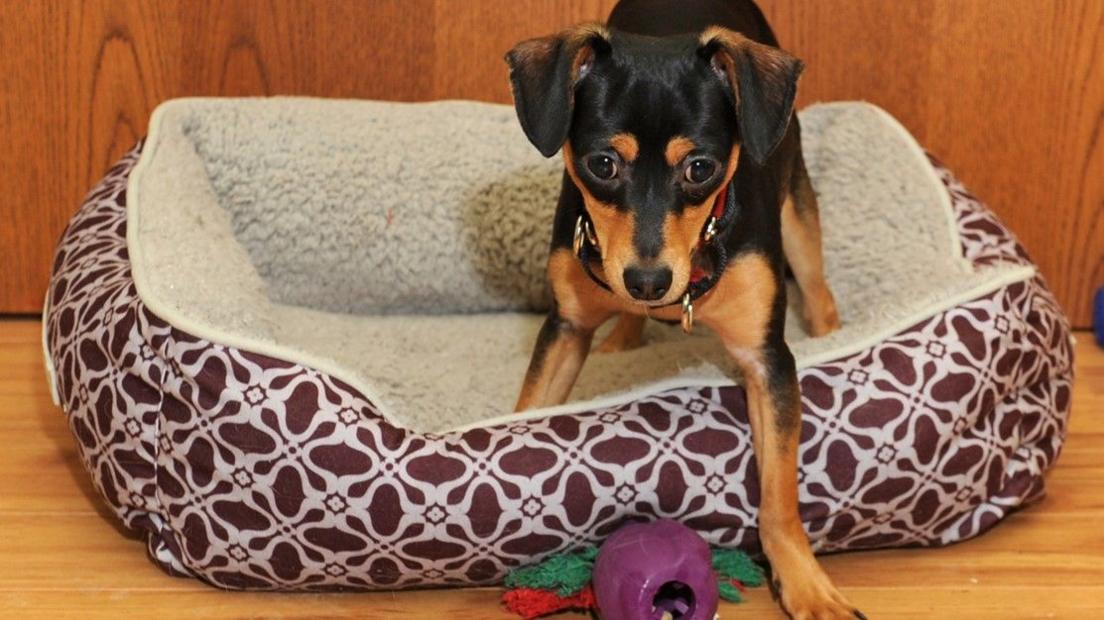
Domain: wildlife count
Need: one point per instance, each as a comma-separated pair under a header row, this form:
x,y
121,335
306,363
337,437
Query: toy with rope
x,y
644,571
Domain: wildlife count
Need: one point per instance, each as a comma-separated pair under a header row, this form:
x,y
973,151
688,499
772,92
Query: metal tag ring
x,y
687,313
577,242
588,230
710,229
583,230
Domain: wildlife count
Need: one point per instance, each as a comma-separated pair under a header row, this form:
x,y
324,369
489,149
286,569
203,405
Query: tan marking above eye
x,y
613,227
677,149
626,146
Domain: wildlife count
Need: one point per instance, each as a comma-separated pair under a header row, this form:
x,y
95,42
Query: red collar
x,y
697,273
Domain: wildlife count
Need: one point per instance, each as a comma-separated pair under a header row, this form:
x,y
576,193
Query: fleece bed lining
x,y
400,248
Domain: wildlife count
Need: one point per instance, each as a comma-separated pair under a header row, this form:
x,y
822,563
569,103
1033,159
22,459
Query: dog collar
x,y
709,252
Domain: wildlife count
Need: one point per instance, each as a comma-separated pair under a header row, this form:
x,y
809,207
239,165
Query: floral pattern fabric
x,y
253,472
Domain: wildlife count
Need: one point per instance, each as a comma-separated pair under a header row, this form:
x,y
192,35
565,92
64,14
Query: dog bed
x,y
288,333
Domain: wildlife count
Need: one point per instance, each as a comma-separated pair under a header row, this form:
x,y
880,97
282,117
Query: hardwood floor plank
x,y
63,555
981,601
48,551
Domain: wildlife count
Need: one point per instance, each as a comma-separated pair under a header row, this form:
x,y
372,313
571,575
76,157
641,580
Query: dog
x,y
685,198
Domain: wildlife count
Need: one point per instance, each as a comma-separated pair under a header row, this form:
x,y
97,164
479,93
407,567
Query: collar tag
x,y
710,229
687,313
584,232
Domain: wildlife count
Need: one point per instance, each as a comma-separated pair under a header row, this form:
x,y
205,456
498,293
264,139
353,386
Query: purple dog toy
x,y
647,570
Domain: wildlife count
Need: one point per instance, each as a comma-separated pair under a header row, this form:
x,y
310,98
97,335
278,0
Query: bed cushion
x,y
288,332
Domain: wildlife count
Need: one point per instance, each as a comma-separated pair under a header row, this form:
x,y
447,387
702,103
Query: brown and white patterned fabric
x,y
252,472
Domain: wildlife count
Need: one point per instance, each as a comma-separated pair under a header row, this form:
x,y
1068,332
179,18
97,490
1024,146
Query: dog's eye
x,y
602,166
700,170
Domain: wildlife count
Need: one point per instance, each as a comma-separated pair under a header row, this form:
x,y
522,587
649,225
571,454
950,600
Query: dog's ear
x,y
762,81
544,73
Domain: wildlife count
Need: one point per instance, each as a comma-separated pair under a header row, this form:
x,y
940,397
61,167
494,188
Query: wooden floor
x,y
61,555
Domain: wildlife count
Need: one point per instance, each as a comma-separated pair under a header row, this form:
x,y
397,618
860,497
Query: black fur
x,y
543,82
654,76
657,88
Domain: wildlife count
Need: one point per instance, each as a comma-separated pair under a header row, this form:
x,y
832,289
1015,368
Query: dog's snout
x,y
647,283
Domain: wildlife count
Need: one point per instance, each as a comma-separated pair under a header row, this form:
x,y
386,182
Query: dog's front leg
x,y
626,334
747,312
774,410
558,356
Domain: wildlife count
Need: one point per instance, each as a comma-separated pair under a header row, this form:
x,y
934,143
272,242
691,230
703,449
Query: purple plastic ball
x,y
647,569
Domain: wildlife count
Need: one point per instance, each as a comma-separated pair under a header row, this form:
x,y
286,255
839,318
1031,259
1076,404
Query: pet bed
x,y
288,333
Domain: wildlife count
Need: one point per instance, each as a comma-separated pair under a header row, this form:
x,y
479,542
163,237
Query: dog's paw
x,y
825,609
806,593
819,602
821,316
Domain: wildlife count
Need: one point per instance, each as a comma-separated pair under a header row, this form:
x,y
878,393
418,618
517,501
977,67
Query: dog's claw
x,y
822,604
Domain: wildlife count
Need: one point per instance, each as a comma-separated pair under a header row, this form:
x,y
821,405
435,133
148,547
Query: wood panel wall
x,y
1010,94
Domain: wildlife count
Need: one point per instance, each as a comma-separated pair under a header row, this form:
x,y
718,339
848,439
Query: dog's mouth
x,y
701,268
659,303
655,304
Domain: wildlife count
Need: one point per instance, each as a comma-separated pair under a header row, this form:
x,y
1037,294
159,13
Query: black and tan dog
x,y
684,193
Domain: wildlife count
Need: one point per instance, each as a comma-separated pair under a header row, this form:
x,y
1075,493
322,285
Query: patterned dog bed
x,y
287,334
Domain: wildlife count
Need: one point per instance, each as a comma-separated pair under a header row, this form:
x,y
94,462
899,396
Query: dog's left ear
x,y
544,73
763,84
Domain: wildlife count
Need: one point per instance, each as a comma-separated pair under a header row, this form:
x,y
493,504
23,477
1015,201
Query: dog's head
x,y
651,131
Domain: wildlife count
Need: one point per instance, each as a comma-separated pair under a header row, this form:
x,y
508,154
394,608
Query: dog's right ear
x,y
544,73
762,81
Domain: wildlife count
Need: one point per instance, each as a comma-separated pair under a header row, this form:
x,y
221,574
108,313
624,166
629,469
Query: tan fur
x,y
736,49
806,590
585,31
677,149
626,146
739,303
731,42
719,33
585,306
580,300
738,309
801,244
535,49
614,229
560,368
577,36
682,233
738,306
626,334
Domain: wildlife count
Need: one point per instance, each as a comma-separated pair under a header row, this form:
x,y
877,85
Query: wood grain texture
x,y
473,37
1009,94
79,78
63,555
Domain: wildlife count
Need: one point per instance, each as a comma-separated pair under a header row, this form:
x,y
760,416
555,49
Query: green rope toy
x,y
562,581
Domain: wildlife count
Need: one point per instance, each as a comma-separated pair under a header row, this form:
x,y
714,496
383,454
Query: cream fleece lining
x,y
400,248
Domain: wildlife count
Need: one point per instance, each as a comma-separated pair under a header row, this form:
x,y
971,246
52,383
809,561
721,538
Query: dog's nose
x,y
647,283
